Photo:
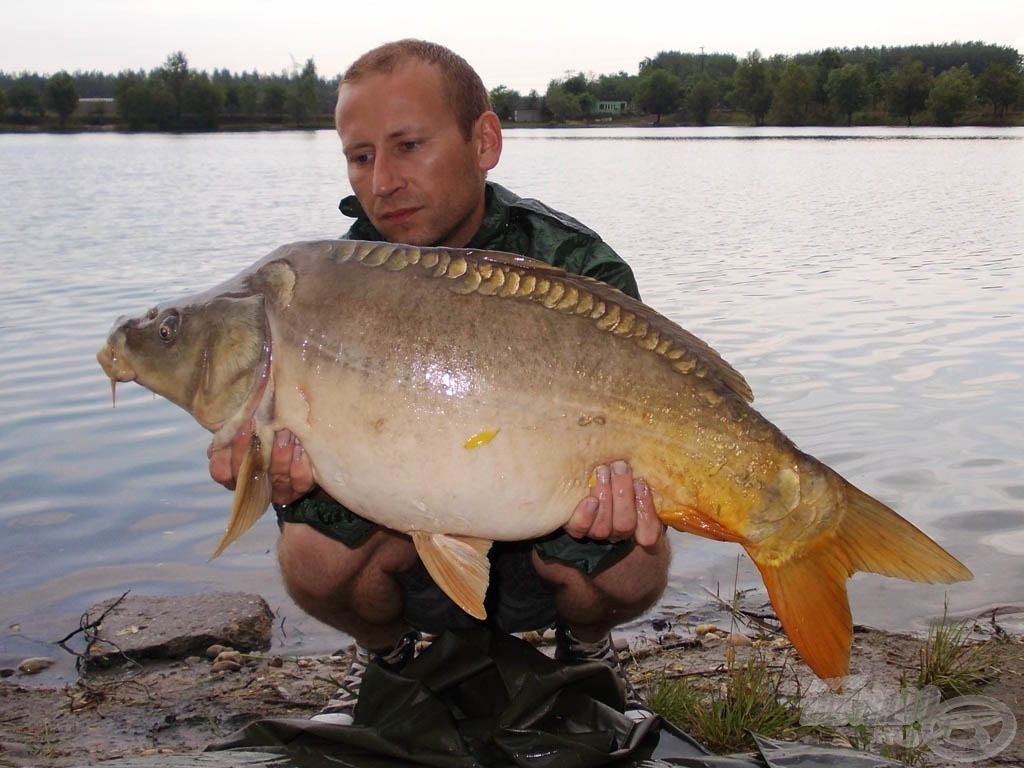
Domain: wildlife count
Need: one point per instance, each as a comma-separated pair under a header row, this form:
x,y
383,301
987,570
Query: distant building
x,y
609,108
527,115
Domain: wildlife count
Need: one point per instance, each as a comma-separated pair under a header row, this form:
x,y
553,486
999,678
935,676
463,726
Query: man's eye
x,y
361,159
410,145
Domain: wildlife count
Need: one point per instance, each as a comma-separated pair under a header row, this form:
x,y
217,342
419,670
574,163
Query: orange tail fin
x,y
809,590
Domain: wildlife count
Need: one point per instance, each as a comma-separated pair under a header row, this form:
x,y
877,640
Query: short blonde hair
x,y
463,89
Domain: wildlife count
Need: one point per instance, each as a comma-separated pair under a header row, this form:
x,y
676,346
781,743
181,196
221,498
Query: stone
x,y
142,627
34,664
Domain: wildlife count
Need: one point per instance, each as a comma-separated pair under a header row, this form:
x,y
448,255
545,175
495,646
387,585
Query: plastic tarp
x,y
478,699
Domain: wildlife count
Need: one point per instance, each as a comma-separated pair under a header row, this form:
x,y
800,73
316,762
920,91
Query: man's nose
x,y
386,176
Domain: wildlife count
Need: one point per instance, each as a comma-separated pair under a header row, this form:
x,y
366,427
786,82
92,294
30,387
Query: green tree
x,y
752,91
23,98
232,100
3,104
174,75
617,87
62,96
1000,85
273,99
304,97
950,95
701,97
847,90
201,105
793,95
248,99
828,60
576,84
504,101
143,102
907,89
658,93
562,104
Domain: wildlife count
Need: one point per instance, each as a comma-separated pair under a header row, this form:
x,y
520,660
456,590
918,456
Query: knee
x,y
309,562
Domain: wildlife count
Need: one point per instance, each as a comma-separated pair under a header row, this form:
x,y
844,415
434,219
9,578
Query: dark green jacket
x,y
528,228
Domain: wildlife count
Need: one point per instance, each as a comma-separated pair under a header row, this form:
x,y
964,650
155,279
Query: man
x,y
419,137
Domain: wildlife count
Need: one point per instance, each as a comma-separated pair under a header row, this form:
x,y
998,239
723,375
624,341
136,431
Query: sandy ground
x,y
180,706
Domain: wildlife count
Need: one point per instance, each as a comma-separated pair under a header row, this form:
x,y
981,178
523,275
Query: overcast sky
x,y
522,45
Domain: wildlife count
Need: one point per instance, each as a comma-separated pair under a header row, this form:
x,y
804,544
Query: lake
x,y
869,283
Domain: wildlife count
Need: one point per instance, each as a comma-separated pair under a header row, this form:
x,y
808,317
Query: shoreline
x,y
196,692
1016,120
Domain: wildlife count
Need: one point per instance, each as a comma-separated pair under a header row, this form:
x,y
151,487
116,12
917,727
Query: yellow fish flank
x,y
383,358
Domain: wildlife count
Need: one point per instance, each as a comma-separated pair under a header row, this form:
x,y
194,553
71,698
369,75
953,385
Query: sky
x,y
522,45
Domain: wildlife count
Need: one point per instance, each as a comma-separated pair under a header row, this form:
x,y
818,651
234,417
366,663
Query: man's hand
x,y
291,474
618,508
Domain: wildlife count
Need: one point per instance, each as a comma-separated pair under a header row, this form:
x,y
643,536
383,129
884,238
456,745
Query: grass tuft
x,y
951,662
724,716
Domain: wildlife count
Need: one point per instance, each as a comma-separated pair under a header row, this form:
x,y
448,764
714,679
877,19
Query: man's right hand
x,y
291,474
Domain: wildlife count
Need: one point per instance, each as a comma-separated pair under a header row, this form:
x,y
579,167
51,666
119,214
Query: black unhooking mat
x,y
477,699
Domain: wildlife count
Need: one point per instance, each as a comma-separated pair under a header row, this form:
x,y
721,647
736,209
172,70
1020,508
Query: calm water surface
x,y
869,284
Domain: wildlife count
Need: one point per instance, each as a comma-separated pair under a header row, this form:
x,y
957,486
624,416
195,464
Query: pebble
x,y
215,650
276,661
228,655
34,664
705,629
225,666
738,638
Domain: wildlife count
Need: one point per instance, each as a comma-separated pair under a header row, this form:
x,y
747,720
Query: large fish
x,y
465,397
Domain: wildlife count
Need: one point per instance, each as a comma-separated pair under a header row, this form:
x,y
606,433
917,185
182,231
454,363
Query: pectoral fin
x,y
252,495
459,566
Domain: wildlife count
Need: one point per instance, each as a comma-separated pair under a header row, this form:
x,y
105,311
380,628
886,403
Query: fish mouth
x,y
116,368
114,365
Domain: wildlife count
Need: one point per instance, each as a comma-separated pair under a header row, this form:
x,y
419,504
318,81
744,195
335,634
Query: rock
x,y
34,664
738,638
226,665
216,650
704,629
229,655
142,627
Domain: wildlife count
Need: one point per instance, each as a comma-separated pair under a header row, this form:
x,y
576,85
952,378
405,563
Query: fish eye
x,y
169,328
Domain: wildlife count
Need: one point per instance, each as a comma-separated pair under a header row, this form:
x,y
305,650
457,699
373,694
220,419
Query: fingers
x,y
291,474
226,460
649,528
290,471
618,508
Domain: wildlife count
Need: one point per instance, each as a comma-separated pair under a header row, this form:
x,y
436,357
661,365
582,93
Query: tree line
x,y
172,97
930,84
935,84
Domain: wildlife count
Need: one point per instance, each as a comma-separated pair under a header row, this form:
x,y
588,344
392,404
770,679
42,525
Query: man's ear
x,y
488,133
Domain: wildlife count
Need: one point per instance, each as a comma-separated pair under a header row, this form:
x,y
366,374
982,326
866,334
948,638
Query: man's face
x,y
417,177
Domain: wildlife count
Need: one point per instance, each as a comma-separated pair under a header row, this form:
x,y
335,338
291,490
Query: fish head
x,y
209,355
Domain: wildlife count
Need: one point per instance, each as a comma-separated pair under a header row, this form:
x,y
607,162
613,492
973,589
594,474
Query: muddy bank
x,y
171,675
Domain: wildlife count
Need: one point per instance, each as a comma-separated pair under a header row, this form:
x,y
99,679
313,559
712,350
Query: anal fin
x,y
252,495
459,566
